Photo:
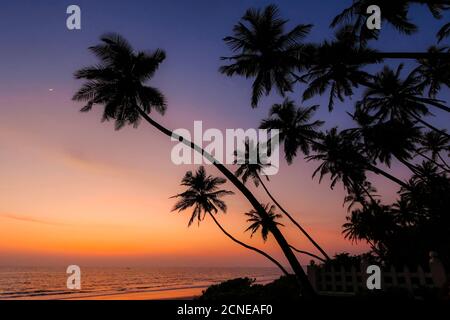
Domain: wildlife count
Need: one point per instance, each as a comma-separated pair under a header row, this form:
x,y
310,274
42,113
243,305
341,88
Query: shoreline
x,y
184,293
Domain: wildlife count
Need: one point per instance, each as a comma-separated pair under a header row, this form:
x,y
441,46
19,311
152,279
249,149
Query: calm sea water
x,y
23,282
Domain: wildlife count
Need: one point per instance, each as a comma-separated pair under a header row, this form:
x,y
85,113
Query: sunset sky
x,y
73,190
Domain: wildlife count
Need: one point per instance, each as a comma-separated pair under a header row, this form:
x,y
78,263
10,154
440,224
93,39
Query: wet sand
x,y
174,294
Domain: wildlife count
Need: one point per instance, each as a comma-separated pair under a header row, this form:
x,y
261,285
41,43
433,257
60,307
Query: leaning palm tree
x,y
373,223
434,71
394,13
342,158
256,222
337,67
118,83
297,131
434,143
265,51
204,196
383,141
392,98
252,170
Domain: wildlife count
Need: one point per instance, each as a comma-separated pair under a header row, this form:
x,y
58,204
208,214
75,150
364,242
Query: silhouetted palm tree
x,y
256,222
118,83
405,214
250,162
394,13
362,194
434,71
435,143
204,195
297,130
337,66
373,223
265,51
252,170
393,138
341,157
391,98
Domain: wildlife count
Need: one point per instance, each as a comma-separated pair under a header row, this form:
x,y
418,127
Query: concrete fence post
x,y
312,272
437,270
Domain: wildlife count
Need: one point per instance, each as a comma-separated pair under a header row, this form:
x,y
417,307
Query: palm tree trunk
x,y
411,55
305,286
442,166
367,192
294,221
308,254
410,166
248,246
374,248
428,125
434,103
372,168
377,170
443,161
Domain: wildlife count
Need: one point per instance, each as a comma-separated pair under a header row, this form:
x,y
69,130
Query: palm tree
x,y
265,51
434,71
394,13
391,98
393,138
204,195
297,131
341,158
252,170
373,223
118,83
337,66
256,222
435,143
360,194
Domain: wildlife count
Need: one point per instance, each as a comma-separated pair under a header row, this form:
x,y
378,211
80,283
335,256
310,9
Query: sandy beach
x,y
163,294
170,294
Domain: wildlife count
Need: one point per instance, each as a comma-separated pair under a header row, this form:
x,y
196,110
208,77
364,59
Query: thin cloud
x,y
28,219
32,220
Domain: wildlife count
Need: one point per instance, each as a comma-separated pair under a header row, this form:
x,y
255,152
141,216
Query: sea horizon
x,y
27,282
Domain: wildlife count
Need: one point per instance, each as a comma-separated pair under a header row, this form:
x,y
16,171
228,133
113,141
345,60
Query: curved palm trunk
x,y
294,221
434,161
411,55
443,161
248,246
410,166
305,286
372,168
377,170
308,254
374,248
364,189
428,125
434,103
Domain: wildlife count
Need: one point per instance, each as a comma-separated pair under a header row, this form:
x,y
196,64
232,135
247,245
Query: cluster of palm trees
x,y
390,116
390,120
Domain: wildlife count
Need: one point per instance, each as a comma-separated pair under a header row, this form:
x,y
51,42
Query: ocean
x,y
42,282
